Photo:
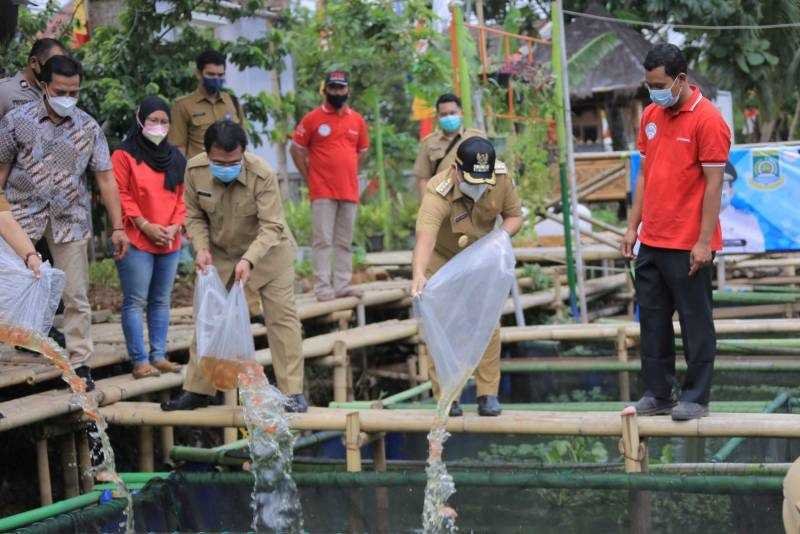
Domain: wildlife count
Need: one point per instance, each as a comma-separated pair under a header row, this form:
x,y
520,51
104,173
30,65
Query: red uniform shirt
x,y
142,194
334,142
676,146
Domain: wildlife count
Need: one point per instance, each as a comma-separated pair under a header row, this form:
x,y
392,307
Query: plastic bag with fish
x,y
222,322
26,301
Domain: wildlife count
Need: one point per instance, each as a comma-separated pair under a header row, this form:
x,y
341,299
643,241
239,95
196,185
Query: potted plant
x,y
372,219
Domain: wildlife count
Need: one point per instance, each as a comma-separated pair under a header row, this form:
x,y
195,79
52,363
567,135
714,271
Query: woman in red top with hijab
x,y
149,173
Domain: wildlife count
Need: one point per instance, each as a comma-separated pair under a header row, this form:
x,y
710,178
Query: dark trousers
x,y
663,286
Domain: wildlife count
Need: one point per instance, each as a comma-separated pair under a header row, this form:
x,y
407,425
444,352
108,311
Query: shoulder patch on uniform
x,y
500,167
200,160
444,187
257,166
428,136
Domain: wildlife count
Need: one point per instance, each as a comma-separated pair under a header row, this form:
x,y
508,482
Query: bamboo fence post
x,y
379,452
361,314
43,473
146,458
622,355
422,356
69,465
352,442
411,363
340,371
84,461
634,452
167,434
231,434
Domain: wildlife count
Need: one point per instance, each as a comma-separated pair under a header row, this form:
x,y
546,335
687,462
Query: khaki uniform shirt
x,y
191,116
243,219
432,148
16,91
456,219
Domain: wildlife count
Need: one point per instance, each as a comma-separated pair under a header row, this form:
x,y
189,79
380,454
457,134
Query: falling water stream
x,y
103,468
437,516
275,500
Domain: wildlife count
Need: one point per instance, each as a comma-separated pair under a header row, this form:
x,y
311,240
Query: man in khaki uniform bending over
x,y
235,221
461,205
437,151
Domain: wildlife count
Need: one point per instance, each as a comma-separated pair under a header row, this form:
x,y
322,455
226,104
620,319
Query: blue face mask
x,y
664,97
225,173
450,123
213,85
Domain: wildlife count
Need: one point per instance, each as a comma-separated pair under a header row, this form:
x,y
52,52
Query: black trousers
x,y
663,286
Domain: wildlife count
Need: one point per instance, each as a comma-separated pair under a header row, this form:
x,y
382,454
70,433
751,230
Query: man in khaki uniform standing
x,y
192,114
461,205
437,151
235,221
24,87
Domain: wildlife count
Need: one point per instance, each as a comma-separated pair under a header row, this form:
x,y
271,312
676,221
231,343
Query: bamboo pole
x,y
424,362
584,231
782,399
167,433
609,365
84,461
229,435
557,407
622,355
43,473
146,457
352,442
69,465
510,422
340,371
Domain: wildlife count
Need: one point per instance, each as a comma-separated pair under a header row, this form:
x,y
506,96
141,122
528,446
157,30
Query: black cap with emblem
x,y
337,77
475,159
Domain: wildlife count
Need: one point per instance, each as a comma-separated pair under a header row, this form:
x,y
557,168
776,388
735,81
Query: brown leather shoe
x,y
166,366
145,370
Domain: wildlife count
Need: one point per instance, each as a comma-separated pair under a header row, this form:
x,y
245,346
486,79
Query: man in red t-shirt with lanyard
x,y
329,145
684,143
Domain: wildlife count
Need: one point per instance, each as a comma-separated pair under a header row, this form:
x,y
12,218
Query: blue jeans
x,y
146,281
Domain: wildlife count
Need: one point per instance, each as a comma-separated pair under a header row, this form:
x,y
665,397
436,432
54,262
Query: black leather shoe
x,y
489,406
455,410
85,372
187,401
648,405
297,404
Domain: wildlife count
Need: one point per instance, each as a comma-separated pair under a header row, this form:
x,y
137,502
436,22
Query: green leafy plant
x,y
372,217
104,274
574,450
303,269
404,218
359,258
541,280
298,217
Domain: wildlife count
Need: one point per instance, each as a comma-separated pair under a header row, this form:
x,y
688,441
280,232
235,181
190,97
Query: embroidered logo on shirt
x,y
650,130
324,130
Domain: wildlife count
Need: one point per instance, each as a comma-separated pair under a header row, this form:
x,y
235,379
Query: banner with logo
x,y
760,209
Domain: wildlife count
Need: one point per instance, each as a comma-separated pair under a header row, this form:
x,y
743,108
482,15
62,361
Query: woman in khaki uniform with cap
x,y
461,205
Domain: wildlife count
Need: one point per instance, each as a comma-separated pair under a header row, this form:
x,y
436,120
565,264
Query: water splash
x,y
103,467
437,516
275,501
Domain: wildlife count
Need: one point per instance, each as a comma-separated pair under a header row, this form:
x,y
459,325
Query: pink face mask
x,y
155,133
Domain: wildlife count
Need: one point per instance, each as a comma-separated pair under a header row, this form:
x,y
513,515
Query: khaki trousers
x,y
487,374
73,259
332,233
283,333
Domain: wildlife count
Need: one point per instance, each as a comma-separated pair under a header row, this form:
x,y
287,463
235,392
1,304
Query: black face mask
x,y
337,101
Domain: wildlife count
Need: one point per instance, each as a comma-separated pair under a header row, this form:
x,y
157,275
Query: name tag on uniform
x,y
202,193
198,114
461,216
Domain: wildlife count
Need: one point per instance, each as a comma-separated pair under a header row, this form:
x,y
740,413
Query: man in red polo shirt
x,y
684,142
329,145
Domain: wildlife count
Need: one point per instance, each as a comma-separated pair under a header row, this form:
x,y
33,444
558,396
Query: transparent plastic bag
x,y
222,322
25,300
460,307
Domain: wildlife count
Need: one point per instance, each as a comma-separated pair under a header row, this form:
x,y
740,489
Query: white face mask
x,y
63,106
473,191
155,133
